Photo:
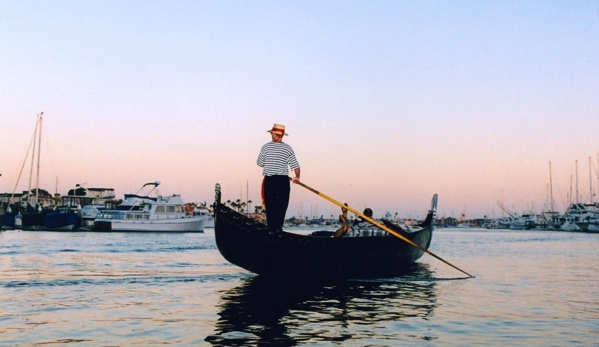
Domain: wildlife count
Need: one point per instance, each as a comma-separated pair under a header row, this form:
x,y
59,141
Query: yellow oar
x,y
381,226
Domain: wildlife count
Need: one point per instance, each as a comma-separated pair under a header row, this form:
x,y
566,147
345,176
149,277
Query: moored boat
x,y
247,243
205,211
589,226
524,222
30,212
147,213
581,217
89,213
68,215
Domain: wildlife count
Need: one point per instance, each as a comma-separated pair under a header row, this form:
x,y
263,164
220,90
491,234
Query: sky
x,y
385,102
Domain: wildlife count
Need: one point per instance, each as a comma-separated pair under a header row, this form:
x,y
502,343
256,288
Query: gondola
x,y
248,244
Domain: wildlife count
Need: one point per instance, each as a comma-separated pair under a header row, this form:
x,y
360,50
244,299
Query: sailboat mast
x,y
551,189
39,148
35,130
590,181
577,201
502,210
570,200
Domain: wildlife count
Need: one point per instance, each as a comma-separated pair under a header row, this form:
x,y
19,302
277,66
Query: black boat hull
x,y
248,244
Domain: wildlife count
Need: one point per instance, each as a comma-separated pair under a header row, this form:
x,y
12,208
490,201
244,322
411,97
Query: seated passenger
x,y
362,224
362,227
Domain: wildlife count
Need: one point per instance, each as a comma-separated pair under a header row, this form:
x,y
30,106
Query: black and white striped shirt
x,y
276,157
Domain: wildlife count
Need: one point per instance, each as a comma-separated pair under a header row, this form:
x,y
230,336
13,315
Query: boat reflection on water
x,y
263,310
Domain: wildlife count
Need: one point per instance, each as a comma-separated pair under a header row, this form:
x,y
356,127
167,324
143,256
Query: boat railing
x,y
139,215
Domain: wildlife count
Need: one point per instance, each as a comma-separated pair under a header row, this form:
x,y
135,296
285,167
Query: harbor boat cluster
x,y
579,217
97,209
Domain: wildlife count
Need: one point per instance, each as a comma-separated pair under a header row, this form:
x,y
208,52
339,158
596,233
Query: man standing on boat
x,y
275,158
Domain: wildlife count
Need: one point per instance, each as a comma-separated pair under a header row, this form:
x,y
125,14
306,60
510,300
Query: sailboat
x,y
30,212
551,219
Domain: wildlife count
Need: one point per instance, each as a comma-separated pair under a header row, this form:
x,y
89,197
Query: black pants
x,y
276,200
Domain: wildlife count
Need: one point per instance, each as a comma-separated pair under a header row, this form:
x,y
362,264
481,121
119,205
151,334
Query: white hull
x,y
503,225
190,224
588,227
569,226
519,227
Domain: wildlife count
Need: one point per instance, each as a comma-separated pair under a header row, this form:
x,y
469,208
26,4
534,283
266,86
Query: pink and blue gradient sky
x,y
386,102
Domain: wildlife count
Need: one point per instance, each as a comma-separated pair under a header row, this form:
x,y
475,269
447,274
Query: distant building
x,y
43,198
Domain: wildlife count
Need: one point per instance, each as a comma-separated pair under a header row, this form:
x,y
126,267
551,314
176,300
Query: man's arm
x,y
297,175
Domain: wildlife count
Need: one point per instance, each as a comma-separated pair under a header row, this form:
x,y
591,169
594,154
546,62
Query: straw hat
x,y
279,129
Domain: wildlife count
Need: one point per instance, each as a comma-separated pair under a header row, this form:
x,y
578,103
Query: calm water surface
x,y
125,289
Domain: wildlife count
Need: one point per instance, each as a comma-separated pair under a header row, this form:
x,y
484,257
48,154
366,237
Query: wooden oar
x,y
381,226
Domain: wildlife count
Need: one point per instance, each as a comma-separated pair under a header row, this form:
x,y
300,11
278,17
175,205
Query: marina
x,y
78,213
97,209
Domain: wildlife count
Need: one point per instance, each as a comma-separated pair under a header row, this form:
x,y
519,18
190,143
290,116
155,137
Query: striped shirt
x,y
276,157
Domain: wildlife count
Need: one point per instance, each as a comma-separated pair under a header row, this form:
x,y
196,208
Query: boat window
x,y
170,209
160,209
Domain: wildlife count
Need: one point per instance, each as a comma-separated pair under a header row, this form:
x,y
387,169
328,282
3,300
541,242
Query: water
x,y
536,288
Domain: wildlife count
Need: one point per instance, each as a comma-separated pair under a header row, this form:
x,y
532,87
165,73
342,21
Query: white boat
x,y
524,222
586,217
581,217
88,215
504,223
589,226
202,210
516,222
150,214
569,225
